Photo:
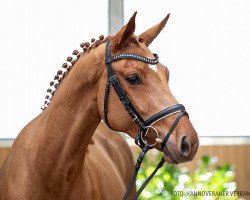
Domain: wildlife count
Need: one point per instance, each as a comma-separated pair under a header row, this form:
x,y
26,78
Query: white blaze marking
x,y
153,67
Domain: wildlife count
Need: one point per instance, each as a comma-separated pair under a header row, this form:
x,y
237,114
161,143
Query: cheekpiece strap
x,y
114,81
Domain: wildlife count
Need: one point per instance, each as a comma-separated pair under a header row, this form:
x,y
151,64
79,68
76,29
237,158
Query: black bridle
x,y
144,125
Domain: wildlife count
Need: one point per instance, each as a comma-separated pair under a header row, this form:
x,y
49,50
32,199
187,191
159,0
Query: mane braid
x,y
68,65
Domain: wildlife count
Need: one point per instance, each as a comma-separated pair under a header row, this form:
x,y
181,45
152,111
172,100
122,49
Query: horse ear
x,y
122,36
149,35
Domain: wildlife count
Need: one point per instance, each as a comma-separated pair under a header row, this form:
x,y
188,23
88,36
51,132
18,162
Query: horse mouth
x,y
170,157
172,154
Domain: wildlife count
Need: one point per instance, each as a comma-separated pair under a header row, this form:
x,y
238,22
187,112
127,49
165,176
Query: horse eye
x,y
133,79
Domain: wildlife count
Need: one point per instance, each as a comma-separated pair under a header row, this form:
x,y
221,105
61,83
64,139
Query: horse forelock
x,y
68,65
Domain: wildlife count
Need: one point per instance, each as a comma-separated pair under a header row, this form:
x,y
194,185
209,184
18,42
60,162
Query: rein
x,y
144,125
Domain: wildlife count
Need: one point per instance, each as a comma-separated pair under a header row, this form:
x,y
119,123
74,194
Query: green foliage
x,y
173,182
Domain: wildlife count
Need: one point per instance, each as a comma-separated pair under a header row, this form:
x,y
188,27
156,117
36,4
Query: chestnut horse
x,y
58,156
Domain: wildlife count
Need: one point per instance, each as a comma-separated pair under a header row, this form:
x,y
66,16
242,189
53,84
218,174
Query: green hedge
x,y
172,182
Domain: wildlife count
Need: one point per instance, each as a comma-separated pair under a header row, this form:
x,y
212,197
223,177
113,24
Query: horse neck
x,y
72,117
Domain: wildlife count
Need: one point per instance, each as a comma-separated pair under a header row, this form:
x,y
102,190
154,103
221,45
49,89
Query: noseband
x,y
144,125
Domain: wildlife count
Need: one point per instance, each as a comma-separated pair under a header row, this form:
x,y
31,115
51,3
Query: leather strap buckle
x,y
114,79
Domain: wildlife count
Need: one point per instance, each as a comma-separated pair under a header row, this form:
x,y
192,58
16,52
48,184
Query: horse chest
x,y
102,179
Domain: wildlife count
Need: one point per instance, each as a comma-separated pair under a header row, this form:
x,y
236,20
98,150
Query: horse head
x,y
137,96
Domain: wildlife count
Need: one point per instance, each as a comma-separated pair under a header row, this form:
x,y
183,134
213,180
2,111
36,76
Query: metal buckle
x,y
114,79
143,135
135,118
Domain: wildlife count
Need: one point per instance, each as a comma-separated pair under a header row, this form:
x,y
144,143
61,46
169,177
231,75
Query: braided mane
x,y
68,65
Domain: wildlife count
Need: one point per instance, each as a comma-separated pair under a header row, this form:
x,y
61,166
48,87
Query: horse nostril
x,y
185,147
